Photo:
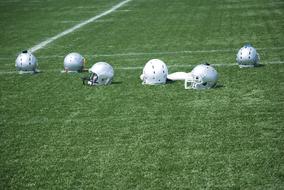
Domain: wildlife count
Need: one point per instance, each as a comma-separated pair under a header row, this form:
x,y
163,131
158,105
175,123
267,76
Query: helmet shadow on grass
x,y
116,82
260,65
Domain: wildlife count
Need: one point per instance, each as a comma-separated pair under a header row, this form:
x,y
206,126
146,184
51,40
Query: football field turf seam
x,y
70,30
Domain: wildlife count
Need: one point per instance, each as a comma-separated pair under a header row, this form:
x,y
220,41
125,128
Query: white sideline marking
x,y
49,40
170,66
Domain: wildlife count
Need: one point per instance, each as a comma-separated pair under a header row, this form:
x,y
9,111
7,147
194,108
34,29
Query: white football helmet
x,y
201,77
247,56
26,62
101,73
155,72
74,62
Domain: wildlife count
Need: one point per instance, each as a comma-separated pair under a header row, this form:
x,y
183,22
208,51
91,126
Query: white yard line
x,y
192,65
226,64
153,53
170,66
52,39
179,52
160,53
150,53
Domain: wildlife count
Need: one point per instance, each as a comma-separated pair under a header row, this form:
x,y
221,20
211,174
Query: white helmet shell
x,y
202,76
101,74
247,57
74,62
26,62
155,72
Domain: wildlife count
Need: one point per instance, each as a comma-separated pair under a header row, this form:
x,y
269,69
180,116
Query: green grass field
x,y
56,133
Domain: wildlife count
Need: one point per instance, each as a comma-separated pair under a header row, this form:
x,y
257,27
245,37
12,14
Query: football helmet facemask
x,y
74,62
202,76
155,72
247,56
26,62
101,73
